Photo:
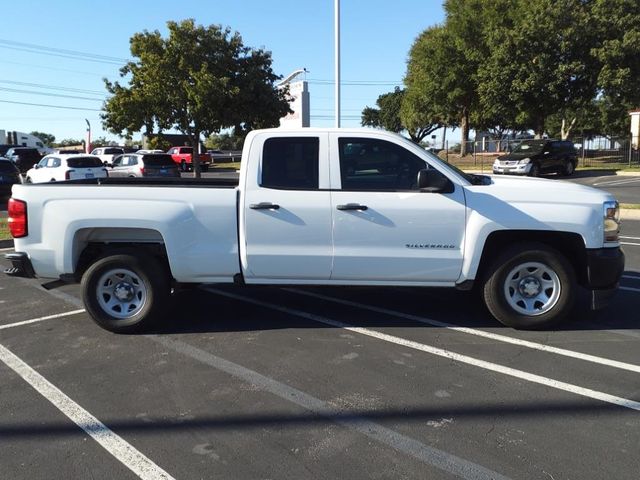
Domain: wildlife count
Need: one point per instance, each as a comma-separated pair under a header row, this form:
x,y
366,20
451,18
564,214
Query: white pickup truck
x,y
321,207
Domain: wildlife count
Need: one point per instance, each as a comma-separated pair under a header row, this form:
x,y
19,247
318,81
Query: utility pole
x,y
337,57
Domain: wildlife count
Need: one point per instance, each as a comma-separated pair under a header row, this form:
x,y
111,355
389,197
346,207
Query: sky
x,y
57,55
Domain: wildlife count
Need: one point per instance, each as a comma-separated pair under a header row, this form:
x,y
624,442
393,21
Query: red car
x,y
183,156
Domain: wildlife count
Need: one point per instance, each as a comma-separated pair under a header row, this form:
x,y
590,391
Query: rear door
x,y
286,219
385,229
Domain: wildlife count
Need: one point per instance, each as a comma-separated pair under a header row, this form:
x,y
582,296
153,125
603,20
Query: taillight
x,y
17,220
141,170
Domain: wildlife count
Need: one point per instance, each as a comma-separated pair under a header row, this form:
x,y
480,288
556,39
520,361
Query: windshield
x,y
84,162
528,148
158,160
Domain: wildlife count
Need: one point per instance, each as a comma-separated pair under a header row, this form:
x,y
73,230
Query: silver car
x,y
144,165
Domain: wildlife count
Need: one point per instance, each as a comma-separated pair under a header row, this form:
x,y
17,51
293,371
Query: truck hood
x,y
520,190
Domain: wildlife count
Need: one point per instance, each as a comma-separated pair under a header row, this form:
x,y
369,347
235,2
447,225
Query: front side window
x,y
291,163
371,164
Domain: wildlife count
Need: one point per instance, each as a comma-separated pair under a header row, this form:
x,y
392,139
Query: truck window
x,y
370,164
291,163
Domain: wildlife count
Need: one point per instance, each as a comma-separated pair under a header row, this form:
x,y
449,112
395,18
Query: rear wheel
x,y
126,293
530,286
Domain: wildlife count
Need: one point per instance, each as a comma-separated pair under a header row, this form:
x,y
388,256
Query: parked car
x,y
5,148
150,151
9,175
23,157
56,168
144,165
107,154
533,157
183,156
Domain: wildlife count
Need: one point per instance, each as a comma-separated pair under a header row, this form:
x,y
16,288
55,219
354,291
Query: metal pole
x,y
337,57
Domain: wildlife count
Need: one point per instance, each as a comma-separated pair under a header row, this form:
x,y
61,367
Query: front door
x,y
385,229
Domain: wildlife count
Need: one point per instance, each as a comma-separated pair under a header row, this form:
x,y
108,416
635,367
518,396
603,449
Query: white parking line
x,y
479,333
138,463
494,367
5,249
631,277
617,182
630,289
630,238
630,243
429,455
41,319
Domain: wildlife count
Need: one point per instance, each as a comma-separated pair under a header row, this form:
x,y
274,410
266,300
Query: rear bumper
x,y
20,265
604,269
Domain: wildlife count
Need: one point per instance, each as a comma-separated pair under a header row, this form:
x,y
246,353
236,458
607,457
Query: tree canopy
x,y
46,138
543,65
198,80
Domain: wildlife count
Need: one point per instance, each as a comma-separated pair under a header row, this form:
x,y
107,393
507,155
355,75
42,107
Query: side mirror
x,y
105,164
36,166
432,181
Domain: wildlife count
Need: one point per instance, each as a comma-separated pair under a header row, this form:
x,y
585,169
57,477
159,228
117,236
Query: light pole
x,y
88,147
337,55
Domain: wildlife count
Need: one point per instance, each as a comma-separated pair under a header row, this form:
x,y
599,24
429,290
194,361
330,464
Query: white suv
x,y
56,167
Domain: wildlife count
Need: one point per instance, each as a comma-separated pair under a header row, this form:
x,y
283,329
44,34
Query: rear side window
x,y
113,151
158,160
84,162
291,163
188,150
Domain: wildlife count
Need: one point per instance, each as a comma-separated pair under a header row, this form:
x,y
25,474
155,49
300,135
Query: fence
x,y
598,152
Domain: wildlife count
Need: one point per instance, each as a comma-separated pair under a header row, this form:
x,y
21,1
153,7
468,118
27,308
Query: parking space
x,y
319,383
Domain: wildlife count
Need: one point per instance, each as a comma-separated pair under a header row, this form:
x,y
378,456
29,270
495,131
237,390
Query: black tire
x,y
568,168
134,304
535,170
530,286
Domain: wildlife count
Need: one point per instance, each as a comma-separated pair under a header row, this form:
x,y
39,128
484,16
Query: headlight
x,y
611,221
524,161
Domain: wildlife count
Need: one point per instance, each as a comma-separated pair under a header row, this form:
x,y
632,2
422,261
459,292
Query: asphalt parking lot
x,y
261,383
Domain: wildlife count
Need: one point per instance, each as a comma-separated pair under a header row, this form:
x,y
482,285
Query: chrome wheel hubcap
x,y
121,293
532,288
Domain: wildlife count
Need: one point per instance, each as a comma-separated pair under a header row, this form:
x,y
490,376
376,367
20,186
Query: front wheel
x,y
125,293
530,286
535,170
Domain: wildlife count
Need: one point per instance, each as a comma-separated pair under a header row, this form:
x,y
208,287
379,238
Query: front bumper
x,y
512,168
20,265
604,269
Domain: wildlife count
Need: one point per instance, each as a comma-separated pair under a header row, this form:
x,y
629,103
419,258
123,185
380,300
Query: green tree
x,y
540,63
69,142
46,138
388,116
439,90
199,80
224,141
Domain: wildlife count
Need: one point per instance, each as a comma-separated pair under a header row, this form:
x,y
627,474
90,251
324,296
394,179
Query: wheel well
x,y
571,245
96,250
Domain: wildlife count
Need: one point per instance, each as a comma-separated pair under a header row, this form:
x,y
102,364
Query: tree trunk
x,y
195,157
539,131
564,133
464,127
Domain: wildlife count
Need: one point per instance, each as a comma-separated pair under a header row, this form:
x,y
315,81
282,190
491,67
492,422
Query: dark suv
x,y
533,157
24,157
9,175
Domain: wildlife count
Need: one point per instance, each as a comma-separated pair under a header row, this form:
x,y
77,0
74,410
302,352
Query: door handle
x,y
353,206
264,206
